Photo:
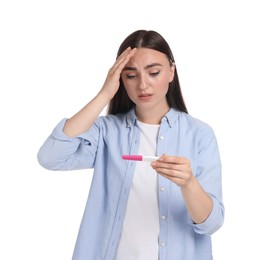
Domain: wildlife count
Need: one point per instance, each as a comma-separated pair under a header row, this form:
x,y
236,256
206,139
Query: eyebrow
x,y
146,67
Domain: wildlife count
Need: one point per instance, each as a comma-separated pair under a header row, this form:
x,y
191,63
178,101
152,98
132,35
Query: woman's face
x,y
146,78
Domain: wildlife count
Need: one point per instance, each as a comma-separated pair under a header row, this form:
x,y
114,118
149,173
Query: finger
x,y
123,59
173,162
122,56
169,172
173,159
119,60
163,165
175,172
178,181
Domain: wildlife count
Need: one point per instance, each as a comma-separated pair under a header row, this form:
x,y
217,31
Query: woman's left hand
x,y
174,168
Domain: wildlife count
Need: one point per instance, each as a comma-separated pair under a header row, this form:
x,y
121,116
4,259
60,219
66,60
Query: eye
x,y
154,74
131,76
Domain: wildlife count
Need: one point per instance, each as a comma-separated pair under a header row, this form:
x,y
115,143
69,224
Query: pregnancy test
x,y
140,158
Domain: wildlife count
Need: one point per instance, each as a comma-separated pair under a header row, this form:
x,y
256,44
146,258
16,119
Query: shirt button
x,y
162,189
161,137
162,244
163,217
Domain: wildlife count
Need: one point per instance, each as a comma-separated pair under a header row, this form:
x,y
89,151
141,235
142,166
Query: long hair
x,y
121,103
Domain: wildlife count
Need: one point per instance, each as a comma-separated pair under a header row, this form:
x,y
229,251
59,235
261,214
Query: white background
x,y
54,56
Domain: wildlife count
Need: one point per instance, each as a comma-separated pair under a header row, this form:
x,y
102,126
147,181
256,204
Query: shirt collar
x,y
131,118
169,118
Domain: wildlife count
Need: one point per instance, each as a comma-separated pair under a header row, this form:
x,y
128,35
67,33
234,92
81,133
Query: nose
x,y
142,83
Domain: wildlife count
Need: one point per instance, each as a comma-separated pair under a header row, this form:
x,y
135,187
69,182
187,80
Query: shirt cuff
x,y
213,222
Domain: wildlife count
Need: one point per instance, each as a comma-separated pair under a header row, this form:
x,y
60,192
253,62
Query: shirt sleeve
x,y
209,175
61,152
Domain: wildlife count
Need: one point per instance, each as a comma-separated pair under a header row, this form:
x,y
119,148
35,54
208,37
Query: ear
x,y
172,70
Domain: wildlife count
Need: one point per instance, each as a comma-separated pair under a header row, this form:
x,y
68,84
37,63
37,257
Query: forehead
x,y
145,56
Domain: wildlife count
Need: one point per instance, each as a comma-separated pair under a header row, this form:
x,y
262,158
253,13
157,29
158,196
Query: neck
x,y
151,117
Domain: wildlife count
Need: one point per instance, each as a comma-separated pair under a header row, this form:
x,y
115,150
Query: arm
x,y
68,147
178,170
85,118
202,189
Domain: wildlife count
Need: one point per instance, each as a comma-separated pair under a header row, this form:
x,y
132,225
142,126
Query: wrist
x,y
104,96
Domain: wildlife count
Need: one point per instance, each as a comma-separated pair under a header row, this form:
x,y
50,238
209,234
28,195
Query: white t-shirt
x,y
139,237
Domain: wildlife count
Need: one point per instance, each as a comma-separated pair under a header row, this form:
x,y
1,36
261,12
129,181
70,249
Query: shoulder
x,y
118,120
194,122
191,126
187,121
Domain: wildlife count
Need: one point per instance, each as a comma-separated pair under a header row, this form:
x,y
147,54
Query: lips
x,y
145,95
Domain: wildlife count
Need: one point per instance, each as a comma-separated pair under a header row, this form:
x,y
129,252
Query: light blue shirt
x,y
101,148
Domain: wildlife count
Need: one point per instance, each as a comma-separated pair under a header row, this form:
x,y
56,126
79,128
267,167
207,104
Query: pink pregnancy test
x,y
140,158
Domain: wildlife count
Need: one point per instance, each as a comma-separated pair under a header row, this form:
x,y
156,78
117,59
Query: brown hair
x,y
121,103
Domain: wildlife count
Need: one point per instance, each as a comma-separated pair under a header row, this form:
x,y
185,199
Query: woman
x,y
164,209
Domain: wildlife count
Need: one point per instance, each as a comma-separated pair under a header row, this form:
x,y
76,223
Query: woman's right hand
x,y
112,81
85,118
